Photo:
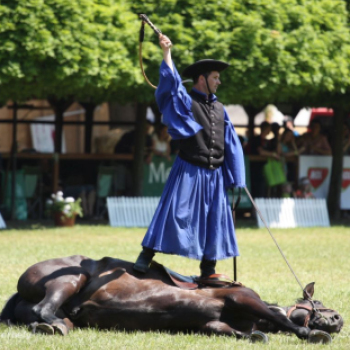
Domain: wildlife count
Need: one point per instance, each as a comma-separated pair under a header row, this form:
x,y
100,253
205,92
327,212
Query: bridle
x,y
311,310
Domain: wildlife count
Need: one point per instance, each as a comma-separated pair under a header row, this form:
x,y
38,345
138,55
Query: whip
x,y
157,31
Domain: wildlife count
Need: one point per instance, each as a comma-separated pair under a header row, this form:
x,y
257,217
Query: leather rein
x,y
308,308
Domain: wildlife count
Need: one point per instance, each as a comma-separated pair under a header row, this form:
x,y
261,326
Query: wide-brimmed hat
x,y
204,66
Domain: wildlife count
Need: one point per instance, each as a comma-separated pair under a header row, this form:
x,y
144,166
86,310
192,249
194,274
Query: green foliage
x,y
79,48
279,51
67,207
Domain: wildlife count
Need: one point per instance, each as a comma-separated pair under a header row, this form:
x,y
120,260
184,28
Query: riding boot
x,y
144,260
207,267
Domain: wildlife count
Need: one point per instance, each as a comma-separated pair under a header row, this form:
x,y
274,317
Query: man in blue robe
x,y
194,218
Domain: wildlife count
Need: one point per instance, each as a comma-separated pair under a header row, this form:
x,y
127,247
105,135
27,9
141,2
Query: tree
x,y
78,48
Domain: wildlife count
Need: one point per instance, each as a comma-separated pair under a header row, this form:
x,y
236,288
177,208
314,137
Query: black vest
x,y
206,148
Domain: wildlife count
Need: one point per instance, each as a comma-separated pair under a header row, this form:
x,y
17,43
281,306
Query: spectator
x,y
274,143
289,149
313,142
161,142
289,124
259,145
304,189
288,144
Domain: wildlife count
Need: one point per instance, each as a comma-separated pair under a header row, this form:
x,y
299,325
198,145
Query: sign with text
x,y
318,171
155,175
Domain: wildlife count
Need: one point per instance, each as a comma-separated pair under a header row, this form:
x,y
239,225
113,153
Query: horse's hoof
x,y
319,337
258,337
60,329
44,328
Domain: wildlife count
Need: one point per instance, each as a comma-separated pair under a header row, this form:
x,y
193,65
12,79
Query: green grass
x,y
316,254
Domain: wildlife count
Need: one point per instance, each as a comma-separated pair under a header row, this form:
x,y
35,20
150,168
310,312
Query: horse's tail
x,y
8,312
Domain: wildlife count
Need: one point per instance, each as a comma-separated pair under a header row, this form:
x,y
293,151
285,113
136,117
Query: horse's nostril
x,y
336,317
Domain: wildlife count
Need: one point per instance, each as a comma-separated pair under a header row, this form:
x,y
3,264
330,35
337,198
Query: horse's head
x,y
312,313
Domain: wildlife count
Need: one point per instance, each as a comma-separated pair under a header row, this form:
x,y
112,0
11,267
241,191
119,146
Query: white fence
x,y
2,222
278,213
131,211
289,212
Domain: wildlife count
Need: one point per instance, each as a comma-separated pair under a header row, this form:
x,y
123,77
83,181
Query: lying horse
x,y
54,296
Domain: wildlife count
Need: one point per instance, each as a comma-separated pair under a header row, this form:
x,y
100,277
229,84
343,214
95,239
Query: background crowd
x,y
284,144
280,143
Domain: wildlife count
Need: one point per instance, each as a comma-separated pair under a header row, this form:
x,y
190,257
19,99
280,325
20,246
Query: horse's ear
x,y
309,291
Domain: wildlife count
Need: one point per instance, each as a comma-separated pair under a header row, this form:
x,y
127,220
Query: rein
x,y
310,309
279,248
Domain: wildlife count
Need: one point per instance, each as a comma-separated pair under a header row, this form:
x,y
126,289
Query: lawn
x,y
315,254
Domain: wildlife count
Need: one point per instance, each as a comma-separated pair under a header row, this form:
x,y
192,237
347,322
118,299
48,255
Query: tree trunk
x,y
59,106
140,138
89,117
14,162
337,164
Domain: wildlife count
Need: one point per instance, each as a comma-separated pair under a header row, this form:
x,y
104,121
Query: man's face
x,y
214,81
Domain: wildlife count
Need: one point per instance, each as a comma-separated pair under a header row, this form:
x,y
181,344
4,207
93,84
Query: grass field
x,y
316,254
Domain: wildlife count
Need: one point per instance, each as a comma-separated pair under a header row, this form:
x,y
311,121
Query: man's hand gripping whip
x,y
145,19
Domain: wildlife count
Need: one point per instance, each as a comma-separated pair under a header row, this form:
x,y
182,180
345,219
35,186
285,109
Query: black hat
x,y
204,66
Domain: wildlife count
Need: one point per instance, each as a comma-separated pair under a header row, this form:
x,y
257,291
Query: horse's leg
x,y
222,328
24,313
248,301
57,293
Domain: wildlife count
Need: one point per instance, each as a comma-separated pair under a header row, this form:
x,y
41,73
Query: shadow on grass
x,y
243,220
45,224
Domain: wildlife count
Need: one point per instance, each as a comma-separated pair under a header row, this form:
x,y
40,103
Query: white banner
x,y
318,171
43,136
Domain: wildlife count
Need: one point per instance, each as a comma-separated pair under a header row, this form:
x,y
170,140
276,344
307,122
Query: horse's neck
x,y
296,315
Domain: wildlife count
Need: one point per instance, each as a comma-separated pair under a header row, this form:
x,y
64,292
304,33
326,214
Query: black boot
x,y
144,260
207,267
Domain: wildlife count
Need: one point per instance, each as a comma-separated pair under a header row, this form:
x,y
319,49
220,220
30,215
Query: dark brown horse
x,y
59,294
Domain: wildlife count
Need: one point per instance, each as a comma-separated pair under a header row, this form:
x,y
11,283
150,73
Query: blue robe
x,y
193,218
